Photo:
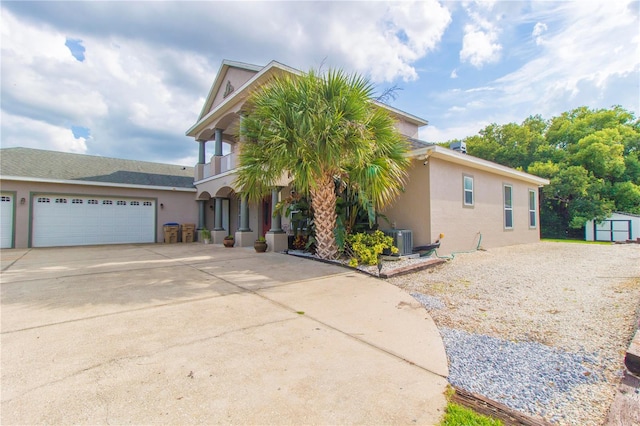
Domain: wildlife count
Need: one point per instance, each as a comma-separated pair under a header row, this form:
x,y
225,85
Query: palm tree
x,y
319,129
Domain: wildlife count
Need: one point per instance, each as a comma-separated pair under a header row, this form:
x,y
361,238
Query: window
x,y
121,203
508,207
61,200
468,190
92,202
6,198
107,202
43,200
532,209
76,201
147,203
135,203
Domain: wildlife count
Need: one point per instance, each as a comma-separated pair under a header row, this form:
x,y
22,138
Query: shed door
x,y
70,220
612,230
6,220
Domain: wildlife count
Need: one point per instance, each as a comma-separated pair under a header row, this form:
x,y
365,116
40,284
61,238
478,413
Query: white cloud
x,y
590,56
39,72
480,89
128,93
436,134
454,74
384,40
29,133
538,30
480,44
479,47
579,59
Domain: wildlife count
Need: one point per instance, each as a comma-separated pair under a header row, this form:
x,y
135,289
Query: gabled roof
x,y
38,164
446,154
217,83
263,74
417,144
628,214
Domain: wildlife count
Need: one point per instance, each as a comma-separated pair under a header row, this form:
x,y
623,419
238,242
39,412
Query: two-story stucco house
x,y
448,192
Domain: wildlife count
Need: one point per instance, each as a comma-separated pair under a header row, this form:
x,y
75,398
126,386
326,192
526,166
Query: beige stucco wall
x,y
433,204
179,206
462,225
407,129
411,208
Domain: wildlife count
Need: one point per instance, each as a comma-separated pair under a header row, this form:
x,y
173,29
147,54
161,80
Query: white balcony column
x,y
276,219
244,236
217,149
244,213
201,214
218,215
201,151
277,240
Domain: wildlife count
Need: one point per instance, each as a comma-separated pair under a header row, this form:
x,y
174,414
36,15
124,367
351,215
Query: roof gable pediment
x,y
230,77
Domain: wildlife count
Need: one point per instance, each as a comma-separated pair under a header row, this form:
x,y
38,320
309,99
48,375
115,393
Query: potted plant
x,y
205,234
260,245
228,241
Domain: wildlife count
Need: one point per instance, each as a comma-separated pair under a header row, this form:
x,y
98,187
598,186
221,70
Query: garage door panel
x,y
75,220
7,208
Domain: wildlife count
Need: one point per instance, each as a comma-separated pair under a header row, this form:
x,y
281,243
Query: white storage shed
x,y
617,227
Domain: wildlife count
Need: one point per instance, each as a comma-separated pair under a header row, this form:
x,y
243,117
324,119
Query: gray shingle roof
x,y
37,163
417,143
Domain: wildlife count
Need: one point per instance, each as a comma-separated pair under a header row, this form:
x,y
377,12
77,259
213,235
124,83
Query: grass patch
x,y
562,240
457,415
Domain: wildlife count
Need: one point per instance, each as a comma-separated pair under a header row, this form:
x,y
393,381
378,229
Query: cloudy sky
x,y
127,79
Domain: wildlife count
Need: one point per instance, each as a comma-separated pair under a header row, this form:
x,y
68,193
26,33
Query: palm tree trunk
x,y
323,201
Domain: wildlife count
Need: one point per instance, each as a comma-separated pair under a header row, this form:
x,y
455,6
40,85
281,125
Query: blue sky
x,y
127,79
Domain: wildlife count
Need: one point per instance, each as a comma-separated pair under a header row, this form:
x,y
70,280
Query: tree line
x,y
590,156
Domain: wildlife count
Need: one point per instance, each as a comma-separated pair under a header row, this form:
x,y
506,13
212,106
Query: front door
x,y
266,215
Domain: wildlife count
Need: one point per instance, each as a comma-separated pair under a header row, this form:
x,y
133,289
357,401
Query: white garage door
x,y
61,220
6,220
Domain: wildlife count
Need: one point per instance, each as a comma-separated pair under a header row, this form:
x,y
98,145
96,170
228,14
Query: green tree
x,y
627,197
320,129
513,145
591,158
601,152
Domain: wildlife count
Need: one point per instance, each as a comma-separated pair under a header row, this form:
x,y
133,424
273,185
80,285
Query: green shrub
x,y
366,247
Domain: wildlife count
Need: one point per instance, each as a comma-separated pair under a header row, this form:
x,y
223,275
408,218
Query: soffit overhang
x,y
451,156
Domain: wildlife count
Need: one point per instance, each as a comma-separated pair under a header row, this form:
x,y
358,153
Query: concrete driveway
x,y
192,333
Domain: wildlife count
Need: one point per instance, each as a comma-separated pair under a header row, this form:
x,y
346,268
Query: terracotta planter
x,y
260,246
228,242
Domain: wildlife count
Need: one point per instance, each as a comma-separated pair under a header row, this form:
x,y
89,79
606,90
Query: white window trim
x,y
505,208
464,191
533,210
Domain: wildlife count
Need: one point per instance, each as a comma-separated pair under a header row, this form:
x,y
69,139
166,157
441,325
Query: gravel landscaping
x,y
541,328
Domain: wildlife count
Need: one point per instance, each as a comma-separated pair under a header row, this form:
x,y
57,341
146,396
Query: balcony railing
x,y
217,166
227,163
